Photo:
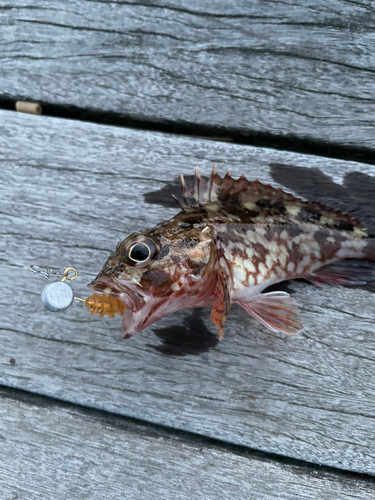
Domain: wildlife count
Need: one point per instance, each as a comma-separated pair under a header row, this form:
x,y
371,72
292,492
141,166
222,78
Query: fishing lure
x,y
103,305
58,295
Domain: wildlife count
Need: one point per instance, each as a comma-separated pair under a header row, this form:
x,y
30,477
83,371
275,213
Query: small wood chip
x,y
33,108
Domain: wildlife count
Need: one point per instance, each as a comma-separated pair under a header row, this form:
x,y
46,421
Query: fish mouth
x,y
138,306
128,294
142,309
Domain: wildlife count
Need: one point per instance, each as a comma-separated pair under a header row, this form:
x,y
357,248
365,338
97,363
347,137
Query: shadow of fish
x,y
231,240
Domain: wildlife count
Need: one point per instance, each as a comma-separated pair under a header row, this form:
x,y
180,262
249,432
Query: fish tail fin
x,y
348,272
369,250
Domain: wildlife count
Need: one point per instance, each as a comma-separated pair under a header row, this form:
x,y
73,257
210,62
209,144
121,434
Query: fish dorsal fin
x,y
240,200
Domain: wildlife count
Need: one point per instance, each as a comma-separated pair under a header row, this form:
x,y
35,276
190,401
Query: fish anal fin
x,y
348,272
278,311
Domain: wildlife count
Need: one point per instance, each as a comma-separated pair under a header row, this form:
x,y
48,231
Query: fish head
x,y
160,271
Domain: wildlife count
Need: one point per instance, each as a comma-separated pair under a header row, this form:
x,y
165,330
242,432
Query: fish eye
x,y
141,252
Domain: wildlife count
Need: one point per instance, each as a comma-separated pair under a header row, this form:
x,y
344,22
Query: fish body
x,y
231,240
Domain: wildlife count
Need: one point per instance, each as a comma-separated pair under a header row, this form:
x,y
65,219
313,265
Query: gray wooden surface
x,y
87,456
69,191
285,69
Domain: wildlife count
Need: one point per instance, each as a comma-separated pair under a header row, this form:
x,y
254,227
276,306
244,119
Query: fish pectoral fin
x,y
218,317
221,307
278,311
345,272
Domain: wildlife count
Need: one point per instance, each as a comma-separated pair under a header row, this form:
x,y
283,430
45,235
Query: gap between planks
x,y
250,138
142,427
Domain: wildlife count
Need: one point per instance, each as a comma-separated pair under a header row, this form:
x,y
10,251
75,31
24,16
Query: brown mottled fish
x,y
231,240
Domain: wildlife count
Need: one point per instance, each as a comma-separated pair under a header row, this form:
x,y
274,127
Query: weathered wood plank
x,y
291,69
69,192
50,451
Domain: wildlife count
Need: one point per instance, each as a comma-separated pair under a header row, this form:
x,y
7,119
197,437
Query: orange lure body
x,y
104,305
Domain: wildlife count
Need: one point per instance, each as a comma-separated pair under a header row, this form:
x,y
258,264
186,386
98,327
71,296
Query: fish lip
x,y
109,285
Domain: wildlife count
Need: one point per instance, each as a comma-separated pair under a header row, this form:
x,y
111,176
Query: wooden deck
x,y
172,413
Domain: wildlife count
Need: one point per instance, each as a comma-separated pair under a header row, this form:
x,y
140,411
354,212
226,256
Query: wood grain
x,y
290,69
59,451
69,191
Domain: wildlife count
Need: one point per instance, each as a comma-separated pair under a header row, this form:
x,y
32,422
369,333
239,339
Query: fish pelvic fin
x,y
278,311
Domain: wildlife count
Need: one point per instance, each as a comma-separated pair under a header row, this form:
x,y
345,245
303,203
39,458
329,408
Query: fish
x,y
230,241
